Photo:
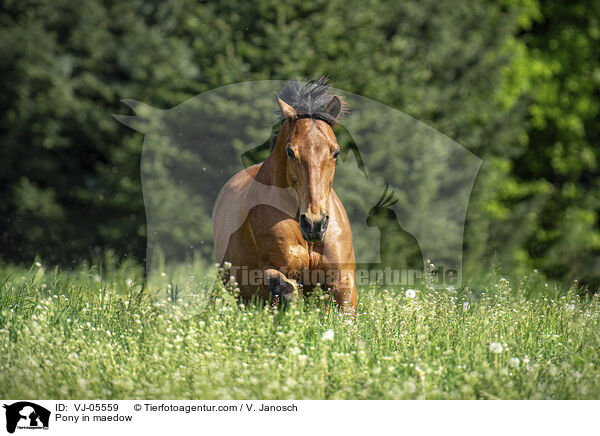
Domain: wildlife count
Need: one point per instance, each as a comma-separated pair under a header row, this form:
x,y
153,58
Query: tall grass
x,y
96,334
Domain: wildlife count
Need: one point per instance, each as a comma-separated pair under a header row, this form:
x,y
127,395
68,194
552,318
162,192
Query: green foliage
x,y
95,334
516,82
70,178
562,151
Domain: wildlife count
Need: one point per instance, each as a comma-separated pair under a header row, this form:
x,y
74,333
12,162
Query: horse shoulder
x,y
228,213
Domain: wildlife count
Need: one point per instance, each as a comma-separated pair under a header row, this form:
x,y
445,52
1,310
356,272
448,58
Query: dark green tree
x,y
70,174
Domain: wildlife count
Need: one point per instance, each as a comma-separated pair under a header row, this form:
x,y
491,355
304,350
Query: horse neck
x,y
273,169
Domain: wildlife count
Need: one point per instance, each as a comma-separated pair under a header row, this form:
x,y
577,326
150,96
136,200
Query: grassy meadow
x,y
94,333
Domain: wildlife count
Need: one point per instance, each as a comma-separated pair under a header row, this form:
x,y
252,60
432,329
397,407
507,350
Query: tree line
x,y
516,82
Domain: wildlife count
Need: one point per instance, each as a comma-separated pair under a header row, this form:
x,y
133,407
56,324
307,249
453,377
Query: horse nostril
x,y
324,223
304,222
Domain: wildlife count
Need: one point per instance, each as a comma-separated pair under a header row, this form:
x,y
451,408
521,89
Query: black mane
x,y
309,99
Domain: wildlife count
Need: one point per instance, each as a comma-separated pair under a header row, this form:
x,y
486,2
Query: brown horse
x,y
279,223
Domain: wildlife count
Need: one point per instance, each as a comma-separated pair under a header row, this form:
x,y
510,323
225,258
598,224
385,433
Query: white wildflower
x,y
495,347
514,362
328,335
410,293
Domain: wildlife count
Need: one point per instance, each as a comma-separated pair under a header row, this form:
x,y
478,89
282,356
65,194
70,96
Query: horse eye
x,y
336,153
290,152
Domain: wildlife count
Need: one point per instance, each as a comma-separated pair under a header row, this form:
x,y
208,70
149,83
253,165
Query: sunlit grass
x,y
93,334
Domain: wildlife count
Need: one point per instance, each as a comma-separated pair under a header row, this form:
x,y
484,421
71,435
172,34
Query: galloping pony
x,y
279,224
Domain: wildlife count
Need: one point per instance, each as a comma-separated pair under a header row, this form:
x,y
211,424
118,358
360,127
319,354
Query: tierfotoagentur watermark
x,y
242,275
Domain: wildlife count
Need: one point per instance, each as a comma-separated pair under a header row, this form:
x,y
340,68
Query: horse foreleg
x,y
344,291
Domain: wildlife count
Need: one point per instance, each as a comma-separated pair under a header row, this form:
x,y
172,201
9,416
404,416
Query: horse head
x,y
306,150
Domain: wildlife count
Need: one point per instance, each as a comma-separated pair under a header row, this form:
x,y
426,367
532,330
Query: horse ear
x,y
286,109
334,107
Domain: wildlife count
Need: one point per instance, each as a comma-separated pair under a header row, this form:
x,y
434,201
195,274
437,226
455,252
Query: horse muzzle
x,y
313,230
